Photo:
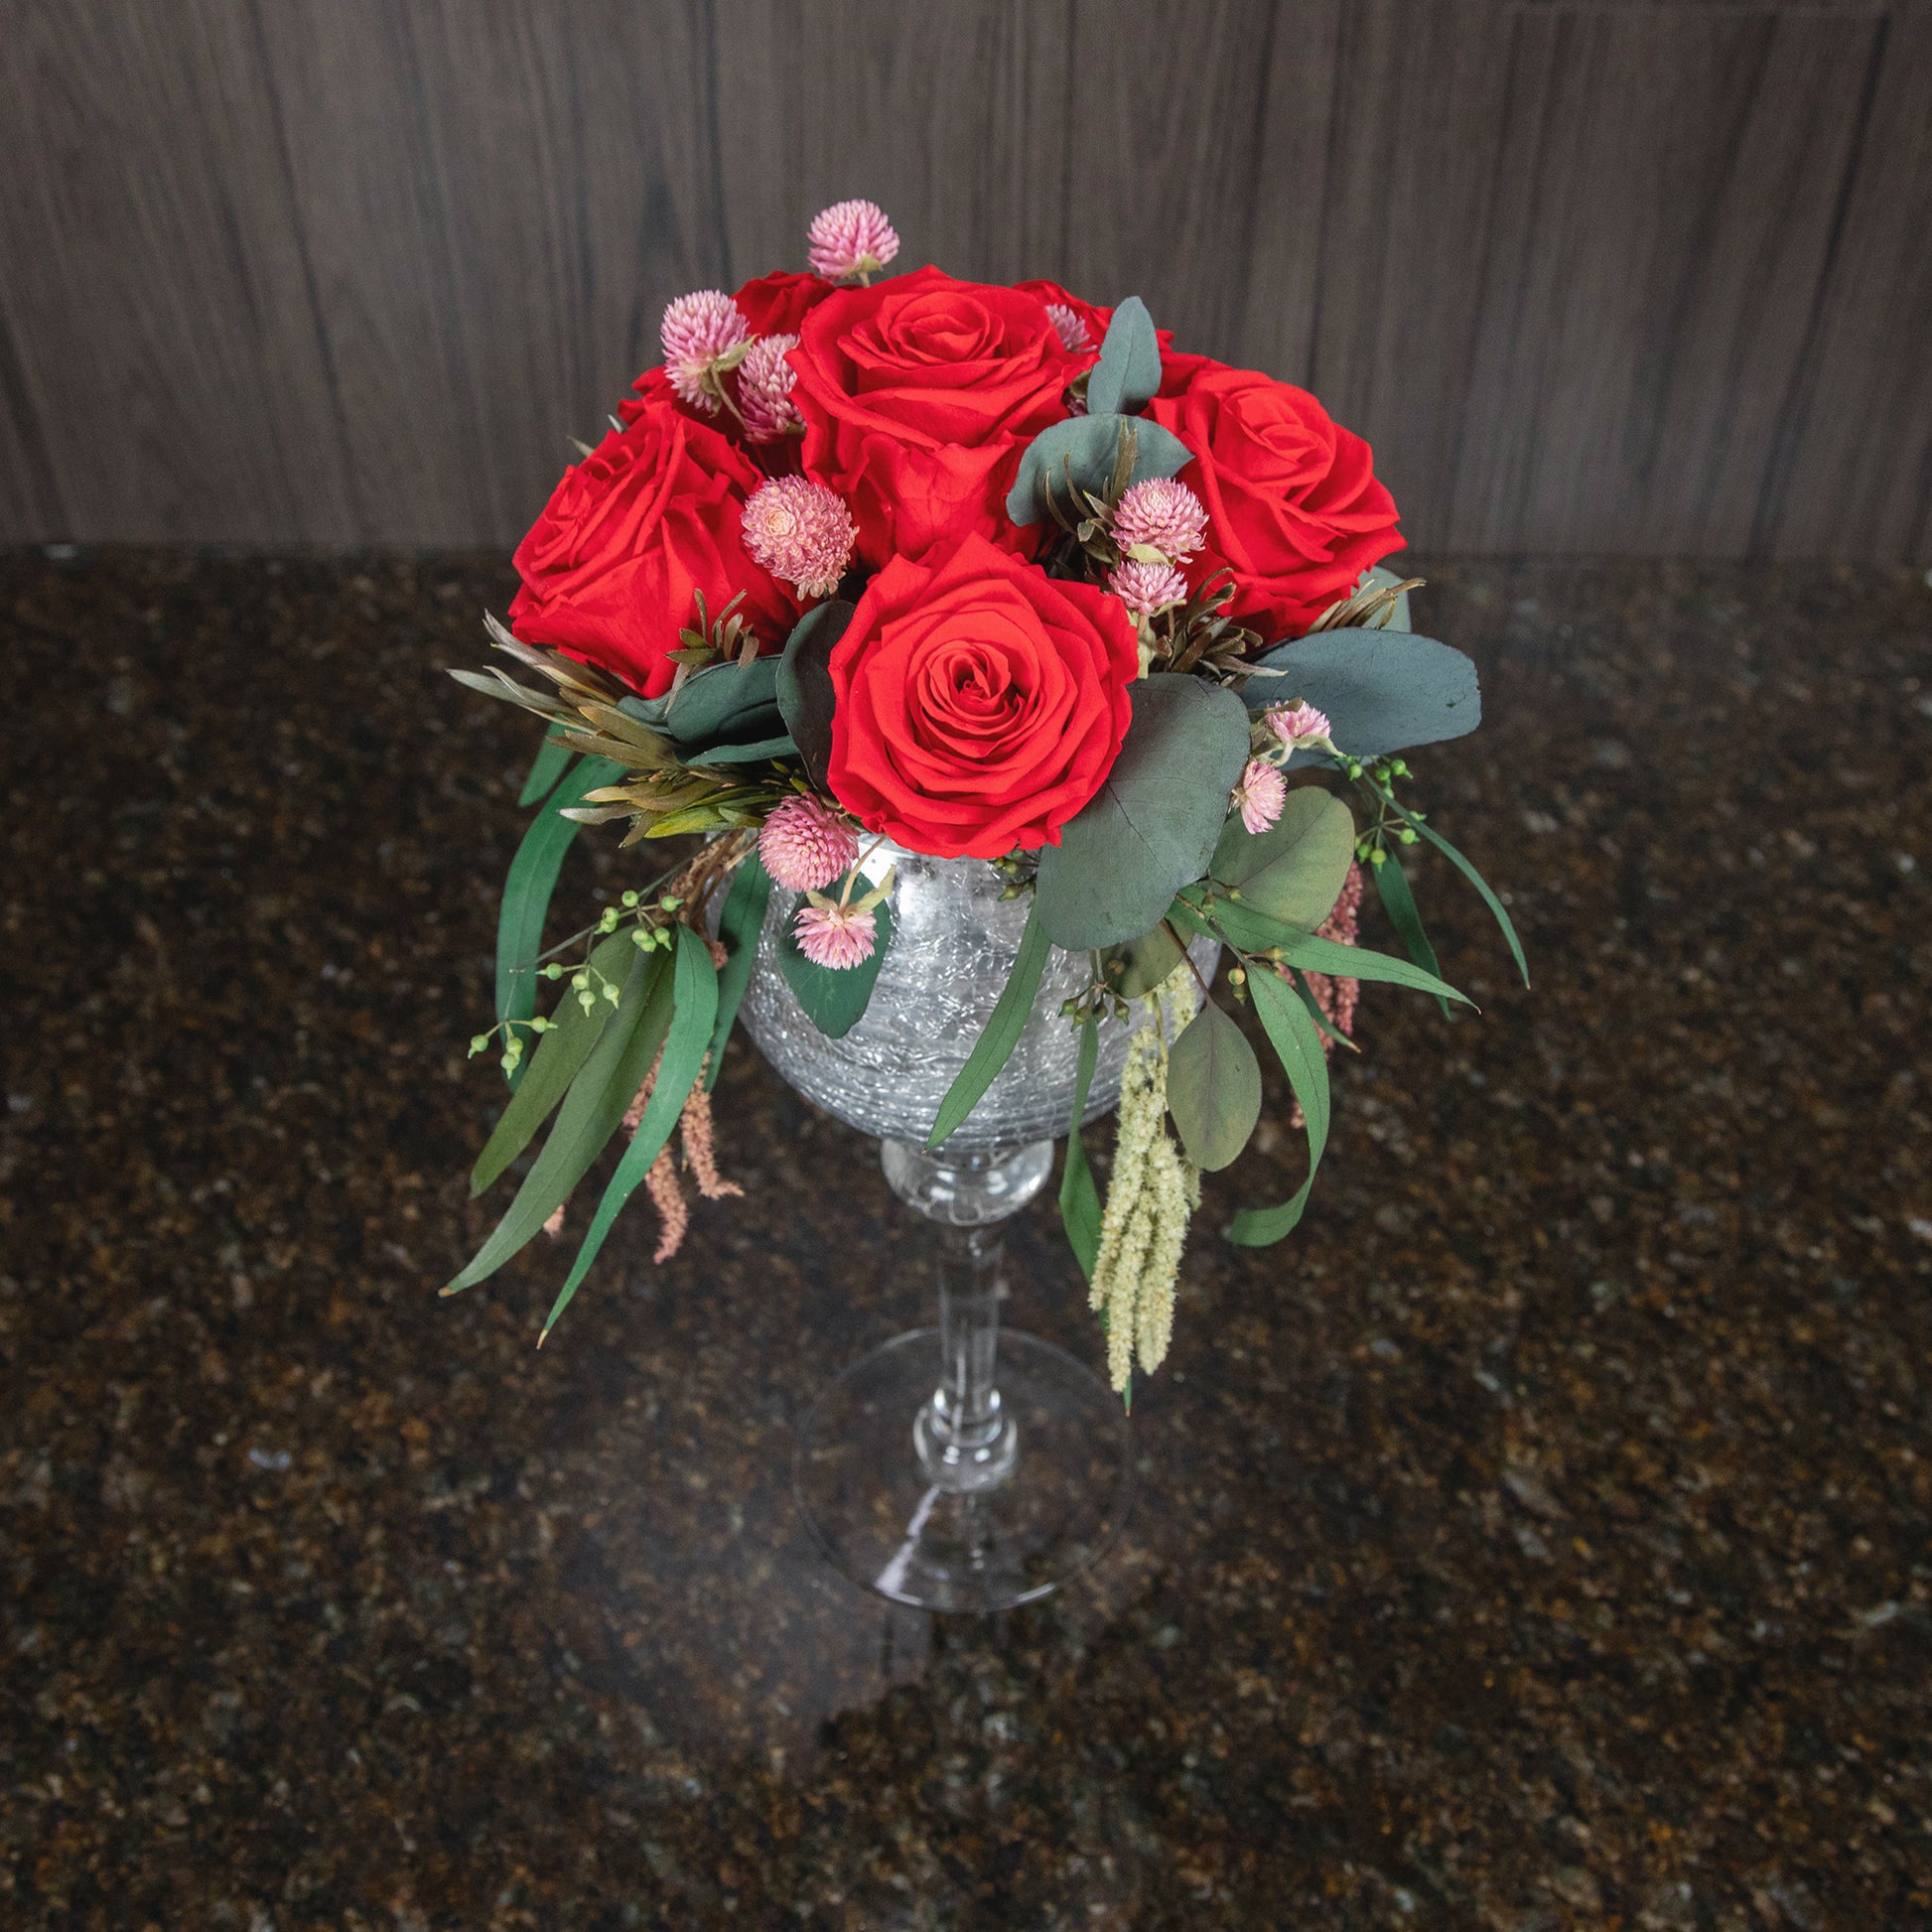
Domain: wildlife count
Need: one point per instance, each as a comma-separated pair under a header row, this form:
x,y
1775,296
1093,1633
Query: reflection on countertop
x,y
1538,1539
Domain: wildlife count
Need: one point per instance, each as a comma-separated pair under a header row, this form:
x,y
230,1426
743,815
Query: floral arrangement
x,y
989,572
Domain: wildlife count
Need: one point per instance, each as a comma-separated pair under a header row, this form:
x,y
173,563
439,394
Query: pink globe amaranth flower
x,y
1165,515
765,380
1296,725
849,238
1146,588
801,531
837,937
1071,326
698,331
804,846
1259,795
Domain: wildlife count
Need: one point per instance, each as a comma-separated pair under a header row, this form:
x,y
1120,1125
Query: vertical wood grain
x,y
1591,276
1663,215
1850,472
161,350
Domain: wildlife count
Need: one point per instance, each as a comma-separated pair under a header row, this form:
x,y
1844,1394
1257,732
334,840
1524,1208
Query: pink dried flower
x,y
673,1210
1336,994
1146,588
698,332
849,238
1070,326
804,846
837,937
1163,514
699,1154
1297,725
1259,795
765,380
801,531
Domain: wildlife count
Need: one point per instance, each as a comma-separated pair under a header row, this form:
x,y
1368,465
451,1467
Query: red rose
x,y
611,568
918,395
980,702
779,303
1293,508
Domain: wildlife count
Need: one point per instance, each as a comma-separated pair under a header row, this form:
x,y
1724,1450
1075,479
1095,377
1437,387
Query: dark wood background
x,y
1609,277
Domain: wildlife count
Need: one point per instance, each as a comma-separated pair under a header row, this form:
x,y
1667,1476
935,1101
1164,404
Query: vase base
x,y
877,1516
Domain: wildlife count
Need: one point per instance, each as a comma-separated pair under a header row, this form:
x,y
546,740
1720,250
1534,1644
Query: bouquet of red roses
x,y
992,573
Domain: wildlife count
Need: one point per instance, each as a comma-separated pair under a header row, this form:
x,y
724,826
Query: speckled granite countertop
x,y
1538,1540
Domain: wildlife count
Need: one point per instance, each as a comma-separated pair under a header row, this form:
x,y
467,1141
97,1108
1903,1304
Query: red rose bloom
x,y
611,568
1293,508
777,304
980,702
918,395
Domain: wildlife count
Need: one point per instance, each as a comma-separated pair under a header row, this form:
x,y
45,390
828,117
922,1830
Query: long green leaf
x,y
740,925
1392,883
694,1008
1291,1031
995,1045
1314,955
592,1111
1079,1200
551,763
561,1051
532,878
1496,907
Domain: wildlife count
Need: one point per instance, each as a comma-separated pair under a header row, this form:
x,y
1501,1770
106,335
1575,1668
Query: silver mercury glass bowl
x,y
954,941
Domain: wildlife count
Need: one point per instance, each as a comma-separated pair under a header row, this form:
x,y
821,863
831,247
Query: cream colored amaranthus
x,y
1154,1193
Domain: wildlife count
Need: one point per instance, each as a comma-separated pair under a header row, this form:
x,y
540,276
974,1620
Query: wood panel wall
x,y
1607,277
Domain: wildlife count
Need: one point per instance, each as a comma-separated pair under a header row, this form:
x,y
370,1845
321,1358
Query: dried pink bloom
x,y
554,1226
849,238
673,1210
837,937
804,846
801,531
1163,514
765,380
1297,725
698,331
1259,795
1071,326
1148,588
700,1156
1336,994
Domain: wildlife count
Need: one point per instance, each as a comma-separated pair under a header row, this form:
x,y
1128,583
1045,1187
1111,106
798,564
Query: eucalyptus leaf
x,y
1127,374
781,747
694,1010
1382,690
591,1112
1138,966
1392,884
1081,449
804,683
1292,1034
1314,955
834,998
550,764
561,1051
740,925
1079,1200
731,703
1213,1088
1002,1031
1498,911
532,878
1295,870
1152,826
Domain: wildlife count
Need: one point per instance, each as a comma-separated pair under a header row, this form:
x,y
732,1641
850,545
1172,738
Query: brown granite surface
x,y
1538,1540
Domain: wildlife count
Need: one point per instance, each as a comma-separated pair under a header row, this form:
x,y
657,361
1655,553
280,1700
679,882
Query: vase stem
x,y
966,1440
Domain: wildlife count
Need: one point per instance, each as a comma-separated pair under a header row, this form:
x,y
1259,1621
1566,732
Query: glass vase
x,y
964,1465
